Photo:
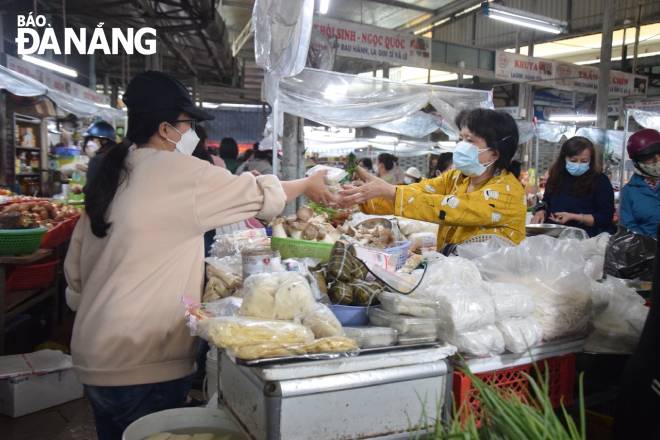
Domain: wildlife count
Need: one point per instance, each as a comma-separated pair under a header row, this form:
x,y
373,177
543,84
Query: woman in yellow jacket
x,y
481,198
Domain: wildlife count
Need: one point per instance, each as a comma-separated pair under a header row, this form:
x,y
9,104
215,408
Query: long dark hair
x,y
388,160
497,128
584,184
228,148
113,171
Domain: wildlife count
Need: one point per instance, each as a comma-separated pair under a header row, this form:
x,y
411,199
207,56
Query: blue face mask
x,y
576,168
466,159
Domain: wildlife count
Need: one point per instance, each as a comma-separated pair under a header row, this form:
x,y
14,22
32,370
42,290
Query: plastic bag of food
x,y
511,300
520,334
282,295
409,227
422,240
333,175
223,278
486,341
232,244
223,307
232,332
336,344
320,319
561,312
449,270
404,325
460,307
371,337
408,305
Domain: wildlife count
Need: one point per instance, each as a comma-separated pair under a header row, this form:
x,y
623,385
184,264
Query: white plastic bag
x,y
283,295
461,307
511,300
486,341
333,175
408,305
449,270
224,307
320,319
520,334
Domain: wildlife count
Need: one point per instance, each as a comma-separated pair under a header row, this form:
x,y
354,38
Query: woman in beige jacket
x,y
139,249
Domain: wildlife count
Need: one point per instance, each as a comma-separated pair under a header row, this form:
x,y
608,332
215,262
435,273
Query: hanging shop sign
x,y
559,75
356,40
55,82
520,68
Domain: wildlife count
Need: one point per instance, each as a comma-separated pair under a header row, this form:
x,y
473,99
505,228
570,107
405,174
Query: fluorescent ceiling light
x,y
230,105
572,118
50,65
324,5
596,61
468,10
523,18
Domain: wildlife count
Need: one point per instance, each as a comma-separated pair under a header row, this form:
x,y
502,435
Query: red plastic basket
x,y
59,234
31,276
561,376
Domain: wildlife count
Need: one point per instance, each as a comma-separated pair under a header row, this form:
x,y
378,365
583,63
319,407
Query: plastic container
x,y
372,337
352,316
59,234
292,248
561,375
197,419
406,340
406,305
407,326
31,276
400,251
20,241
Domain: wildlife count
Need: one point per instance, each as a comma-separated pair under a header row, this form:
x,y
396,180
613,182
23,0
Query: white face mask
x,y
91,148
651,169
188,142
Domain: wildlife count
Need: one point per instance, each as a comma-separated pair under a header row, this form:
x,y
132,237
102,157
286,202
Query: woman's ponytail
x,y
100,191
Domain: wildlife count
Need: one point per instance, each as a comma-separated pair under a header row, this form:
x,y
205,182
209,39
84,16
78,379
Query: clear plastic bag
x,y
486,341
520,334
223,277
404,325
423,240
460,307
224,307
233,332
320,319
449,270
407,305
233,244
312,350
283,295
372,337
511,300
333,175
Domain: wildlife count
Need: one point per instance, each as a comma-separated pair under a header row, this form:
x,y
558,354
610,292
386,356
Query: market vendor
x,y
479,199
640,198
99,138
577,193
138,249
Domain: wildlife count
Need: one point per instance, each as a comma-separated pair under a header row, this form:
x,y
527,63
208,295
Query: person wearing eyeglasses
x,y
480,199
138,250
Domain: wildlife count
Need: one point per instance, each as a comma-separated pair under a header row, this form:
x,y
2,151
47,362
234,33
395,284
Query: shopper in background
x,y
413,175
229,154
577,194
480,198
640,198
261,162
138,248
367,164
386,168
98,139
443,163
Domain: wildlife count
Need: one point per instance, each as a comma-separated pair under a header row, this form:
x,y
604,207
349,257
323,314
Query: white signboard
x,y
373,43
54,81
520,68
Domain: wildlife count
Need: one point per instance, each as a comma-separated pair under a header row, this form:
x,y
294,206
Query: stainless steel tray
x,y
550,229
329,356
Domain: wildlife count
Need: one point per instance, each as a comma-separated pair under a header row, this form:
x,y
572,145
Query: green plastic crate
x,y
292,248
20,241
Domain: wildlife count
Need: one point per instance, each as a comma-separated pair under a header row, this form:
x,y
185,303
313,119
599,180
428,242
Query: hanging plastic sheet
x,y
321,53
525,131
342,100
554,132
449,101
19,84
646,118
282,31
416,125
611,140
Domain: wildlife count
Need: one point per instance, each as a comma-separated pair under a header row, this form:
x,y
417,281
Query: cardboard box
x,y
35,381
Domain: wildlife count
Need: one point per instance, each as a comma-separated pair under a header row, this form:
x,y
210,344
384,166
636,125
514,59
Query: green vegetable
x,y
351,167
320,209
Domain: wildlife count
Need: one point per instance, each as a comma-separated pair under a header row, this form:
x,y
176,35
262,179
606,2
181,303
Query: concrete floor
x,y
70,421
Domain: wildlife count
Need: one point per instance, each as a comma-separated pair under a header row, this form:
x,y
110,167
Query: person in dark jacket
x,y
577,194
229,153
640,198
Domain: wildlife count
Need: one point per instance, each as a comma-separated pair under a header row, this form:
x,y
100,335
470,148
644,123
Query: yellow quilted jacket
x,y
497,207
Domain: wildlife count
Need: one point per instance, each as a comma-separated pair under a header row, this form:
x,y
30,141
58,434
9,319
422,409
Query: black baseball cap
x,y
151,91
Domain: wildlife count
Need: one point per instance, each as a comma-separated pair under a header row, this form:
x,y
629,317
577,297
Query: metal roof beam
x,y
403,5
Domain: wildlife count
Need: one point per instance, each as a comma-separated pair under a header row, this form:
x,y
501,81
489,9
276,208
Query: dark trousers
x,y
117,407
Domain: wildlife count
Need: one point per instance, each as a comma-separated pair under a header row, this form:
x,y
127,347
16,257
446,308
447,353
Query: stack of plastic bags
x,y
514,315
